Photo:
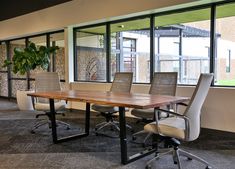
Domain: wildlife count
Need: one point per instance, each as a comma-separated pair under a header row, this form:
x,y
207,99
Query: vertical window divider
x,y
28,73
50,67
8,70
75,55
108,52
213,44
152,46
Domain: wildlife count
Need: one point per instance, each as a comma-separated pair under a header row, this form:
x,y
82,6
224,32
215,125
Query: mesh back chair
x,y
47,81
122,83
185,127
163,83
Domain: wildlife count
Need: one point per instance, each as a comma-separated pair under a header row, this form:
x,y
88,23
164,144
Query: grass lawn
x,y
226,82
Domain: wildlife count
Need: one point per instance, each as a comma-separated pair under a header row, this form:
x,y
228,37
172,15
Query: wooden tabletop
x,y
132,100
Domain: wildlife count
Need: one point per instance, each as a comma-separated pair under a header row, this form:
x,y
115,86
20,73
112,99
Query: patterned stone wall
x,y
3,75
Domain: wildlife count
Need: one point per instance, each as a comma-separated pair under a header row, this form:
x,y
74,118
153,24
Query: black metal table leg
x,y
125,159
123,141
53,124
53,120
87,124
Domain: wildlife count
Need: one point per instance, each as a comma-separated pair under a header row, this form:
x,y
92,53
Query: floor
x,y
22,150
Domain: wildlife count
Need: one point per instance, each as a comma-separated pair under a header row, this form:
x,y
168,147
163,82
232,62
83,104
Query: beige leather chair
x,y
47,81
122,83
163,83
185,127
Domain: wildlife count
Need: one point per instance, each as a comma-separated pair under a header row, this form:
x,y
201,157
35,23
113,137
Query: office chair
x,y
122,83
163,83
47,81
185,127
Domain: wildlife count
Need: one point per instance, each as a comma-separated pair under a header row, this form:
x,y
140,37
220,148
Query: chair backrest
x,y
193,111
164,83
46,81
122,82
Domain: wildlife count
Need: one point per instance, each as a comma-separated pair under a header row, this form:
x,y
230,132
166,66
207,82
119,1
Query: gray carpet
x,y
23,150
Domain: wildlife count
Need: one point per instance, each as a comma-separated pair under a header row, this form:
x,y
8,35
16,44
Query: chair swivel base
x,y
45,122
144,143
176,152
112,124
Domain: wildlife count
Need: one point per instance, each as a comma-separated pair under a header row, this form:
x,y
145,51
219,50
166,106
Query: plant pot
x,y
24,102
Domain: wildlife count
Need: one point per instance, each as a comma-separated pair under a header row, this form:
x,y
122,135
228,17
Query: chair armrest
x,y
186,120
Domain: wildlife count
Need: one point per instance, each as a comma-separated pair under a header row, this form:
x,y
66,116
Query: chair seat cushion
x,y
45,106
104,108
143,113
172,127
146,113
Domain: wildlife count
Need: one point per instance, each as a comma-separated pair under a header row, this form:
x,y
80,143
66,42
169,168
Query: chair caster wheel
x,y
148,167
208,167
133,138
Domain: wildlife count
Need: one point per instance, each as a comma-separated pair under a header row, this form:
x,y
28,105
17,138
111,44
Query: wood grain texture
x,y
132,100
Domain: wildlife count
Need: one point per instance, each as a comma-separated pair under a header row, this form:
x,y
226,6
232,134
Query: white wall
x,y
218,111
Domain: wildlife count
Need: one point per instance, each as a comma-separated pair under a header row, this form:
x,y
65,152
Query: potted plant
x,y
23,61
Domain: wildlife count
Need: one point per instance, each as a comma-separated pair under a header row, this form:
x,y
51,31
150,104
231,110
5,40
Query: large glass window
x,y
19,44
18,81
130,49
3,71
39,41
91,54
225,40
58,59
182,43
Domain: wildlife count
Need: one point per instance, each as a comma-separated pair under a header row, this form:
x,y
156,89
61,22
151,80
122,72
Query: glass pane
x,y
3,71
225,51
58,59
39,41
18,85
3,84
182,43
130,49
91,54
19,44
3,55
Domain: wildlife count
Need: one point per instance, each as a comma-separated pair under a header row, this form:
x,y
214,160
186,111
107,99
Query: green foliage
x,y
226,82
30,58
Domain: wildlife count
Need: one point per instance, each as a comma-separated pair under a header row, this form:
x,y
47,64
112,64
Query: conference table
x,y
121,100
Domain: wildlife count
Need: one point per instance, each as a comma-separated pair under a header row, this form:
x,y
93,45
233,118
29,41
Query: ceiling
x,y
13,8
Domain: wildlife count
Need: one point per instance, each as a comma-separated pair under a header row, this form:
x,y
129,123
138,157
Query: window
x,y
129,55
3,71
130,49
182,42
18,82
225,40
228,62
58,59
90,57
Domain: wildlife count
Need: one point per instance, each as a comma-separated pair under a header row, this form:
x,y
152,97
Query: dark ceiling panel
x,y
12,8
